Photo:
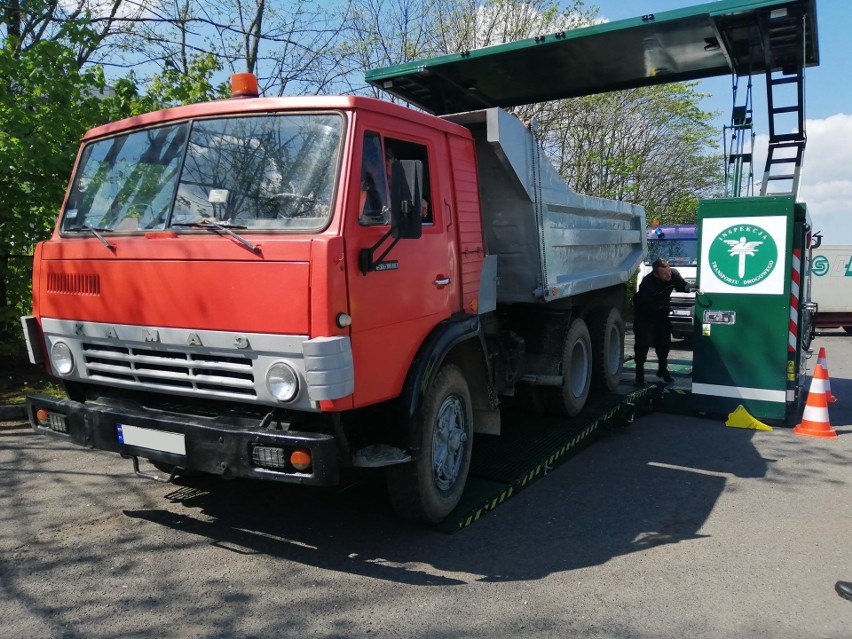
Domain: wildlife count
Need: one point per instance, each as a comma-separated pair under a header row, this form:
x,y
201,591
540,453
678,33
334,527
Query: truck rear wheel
x,y
570,398
848,329
608,353
428,488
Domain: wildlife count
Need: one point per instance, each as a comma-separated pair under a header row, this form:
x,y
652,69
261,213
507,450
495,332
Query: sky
x,y
826,181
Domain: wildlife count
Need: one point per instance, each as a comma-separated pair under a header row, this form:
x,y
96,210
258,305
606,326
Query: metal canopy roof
x,y
741,37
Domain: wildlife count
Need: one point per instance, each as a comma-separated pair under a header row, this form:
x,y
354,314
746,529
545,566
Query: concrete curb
x,y
9,413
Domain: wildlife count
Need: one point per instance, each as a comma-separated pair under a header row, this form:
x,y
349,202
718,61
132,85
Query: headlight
x,y
61,358
282,381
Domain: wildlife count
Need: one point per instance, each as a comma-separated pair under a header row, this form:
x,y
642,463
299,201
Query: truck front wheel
x,y
429,487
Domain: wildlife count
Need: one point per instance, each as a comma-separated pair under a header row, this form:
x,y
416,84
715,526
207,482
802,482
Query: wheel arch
x,y
461,341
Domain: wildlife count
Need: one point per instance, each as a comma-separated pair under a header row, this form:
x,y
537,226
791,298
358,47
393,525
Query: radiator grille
x,y
153,369
73,284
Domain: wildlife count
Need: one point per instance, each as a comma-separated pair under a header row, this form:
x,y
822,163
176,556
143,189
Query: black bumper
x,y
681,318
208,447
681,327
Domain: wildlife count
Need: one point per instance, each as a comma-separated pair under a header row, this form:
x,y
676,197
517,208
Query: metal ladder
x,y
739,153
785,34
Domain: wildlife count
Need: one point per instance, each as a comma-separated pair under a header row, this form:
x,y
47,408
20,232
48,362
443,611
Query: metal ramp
x,y
776,38
706,40
532,445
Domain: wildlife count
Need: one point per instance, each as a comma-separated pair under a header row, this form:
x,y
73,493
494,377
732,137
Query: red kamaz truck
x,y
282,288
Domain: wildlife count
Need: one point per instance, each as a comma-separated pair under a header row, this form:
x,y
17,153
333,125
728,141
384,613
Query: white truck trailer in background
x,y
831,270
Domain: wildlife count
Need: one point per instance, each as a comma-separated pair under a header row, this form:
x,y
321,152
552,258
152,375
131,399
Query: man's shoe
x,y
665,376
844,589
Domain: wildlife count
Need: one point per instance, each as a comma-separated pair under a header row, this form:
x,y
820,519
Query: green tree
x,y
49,97
651,146
46,103
290,45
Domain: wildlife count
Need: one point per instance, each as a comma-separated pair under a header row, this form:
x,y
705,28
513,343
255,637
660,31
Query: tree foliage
x,y
46,103
648,146
50,94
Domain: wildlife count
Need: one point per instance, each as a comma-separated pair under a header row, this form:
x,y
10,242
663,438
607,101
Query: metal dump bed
x,y
551,242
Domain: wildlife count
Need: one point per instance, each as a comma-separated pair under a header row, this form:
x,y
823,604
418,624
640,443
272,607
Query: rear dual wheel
x,y
608,335
576,368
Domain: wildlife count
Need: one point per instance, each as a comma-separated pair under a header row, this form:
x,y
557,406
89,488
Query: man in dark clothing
x,y
651,324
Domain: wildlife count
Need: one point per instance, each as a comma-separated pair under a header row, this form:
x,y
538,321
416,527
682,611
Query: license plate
x,y
681,312
159,440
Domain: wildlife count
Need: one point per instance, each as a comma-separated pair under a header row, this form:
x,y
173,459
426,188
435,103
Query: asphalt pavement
x,y
672,527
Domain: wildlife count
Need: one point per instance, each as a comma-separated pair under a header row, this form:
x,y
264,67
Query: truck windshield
x,y
677,252
258,172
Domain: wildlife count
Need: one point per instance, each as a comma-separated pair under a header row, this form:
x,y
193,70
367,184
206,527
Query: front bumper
x,y
188,442
681,318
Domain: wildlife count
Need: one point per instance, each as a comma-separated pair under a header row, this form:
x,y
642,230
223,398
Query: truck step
x,y
379,455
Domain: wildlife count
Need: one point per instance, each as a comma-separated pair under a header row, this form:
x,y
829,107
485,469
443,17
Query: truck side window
x,y
373,204
401,150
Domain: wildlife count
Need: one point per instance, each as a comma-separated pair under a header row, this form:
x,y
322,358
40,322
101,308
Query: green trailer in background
x,y
753,318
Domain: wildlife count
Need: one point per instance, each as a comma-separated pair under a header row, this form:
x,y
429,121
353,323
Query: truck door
x,y
394,307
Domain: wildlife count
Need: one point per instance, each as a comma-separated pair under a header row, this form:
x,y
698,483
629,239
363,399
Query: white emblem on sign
x,y
740,248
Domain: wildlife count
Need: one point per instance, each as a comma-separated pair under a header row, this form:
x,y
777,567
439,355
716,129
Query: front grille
x,y
677,302
151,369
73,283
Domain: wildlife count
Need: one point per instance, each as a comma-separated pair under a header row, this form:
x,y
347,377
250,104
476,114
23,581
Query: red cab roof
x,y
265,105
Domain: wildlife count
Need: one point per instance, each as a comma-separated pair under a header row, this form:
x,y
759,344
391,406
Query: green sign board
x,y
741,255
746,347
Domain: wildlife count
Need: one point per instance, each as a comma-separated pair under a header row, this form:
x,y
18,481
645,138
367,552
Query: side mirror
x,y
406,199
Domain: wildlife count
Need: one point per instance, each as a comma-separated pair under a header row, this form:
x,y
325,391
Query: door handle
x,y
442,281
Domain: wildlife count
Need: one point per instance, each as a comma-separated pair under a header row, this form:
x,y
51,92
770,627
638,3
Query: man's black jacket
x,y
654,295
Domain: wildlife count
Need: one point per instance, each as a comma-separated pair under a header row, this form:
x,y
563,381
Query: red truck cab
x,y
227,279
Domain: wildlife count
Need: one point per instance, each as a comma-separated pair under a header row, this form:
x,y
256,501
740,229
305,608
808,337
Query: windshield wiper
x,y
225,227
96,231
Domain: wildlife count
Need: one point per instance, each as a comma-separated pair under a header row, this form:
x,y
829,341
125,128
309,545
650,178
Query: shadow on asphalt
x,y
648,484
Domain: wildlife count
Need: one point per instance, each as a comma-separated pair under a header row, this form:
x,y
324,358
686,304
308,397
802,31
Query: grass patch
x,y
19,378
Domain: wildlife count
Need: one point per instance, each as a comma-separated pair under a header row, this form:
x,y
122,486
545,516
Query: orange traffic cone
x,y
821,360
815,418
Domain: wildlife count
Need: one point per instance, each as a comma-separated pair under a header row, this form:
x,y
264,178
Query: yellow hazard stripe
x,y
488,507
547,465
